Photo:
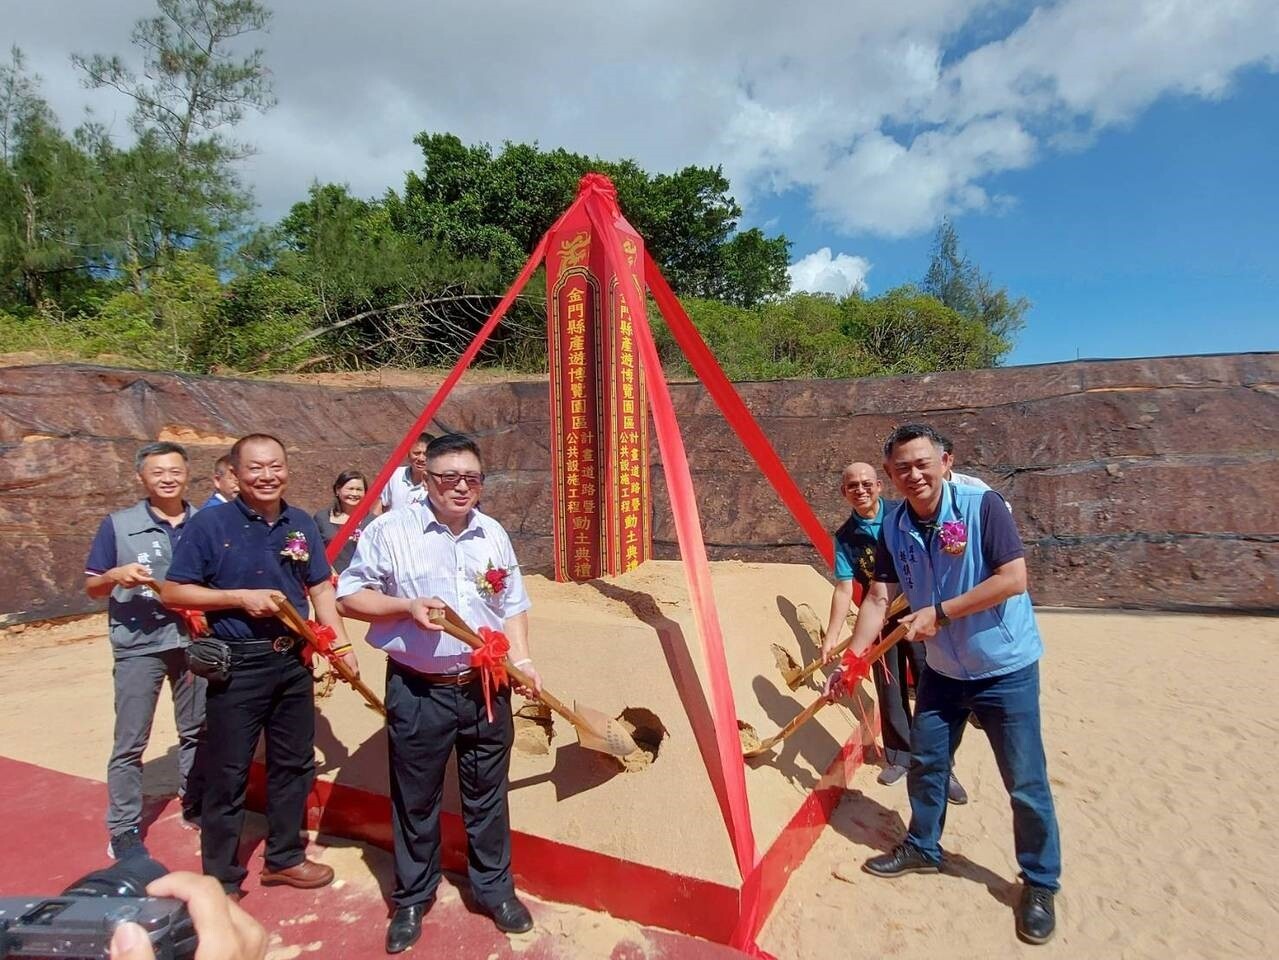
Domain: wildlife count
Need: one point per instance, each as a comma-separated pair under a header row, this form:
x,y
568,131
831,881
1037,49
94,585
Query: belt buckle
x,y
282,644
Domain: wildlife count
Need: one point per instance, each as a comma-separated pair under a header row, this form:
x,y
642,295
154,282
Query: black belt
x,y
439,679
275,644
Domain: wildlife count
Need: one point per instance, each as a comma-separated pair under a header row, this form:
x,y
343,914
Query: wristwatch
x,y
942,619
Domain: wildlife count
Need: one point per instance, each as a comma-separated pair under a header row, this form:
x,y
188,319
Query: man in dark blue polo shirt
x,y
131,552
235,562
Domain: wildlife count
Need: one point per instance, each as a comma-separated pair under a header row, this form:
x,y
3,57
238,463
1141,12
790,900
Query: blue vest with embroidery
x,y
986,644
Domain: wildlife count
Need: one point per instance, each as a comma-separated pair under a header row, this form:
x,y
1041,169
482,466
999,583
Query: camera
x,y
79,923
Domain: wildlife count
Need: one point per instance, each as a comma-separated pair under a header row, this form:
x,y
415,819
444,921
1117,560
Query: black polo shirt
x,y
235,548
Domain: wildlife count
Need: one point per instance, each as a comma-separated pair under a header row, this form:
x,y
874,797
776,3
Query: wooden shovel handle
x,y
877,650
297,623
451,622
898,606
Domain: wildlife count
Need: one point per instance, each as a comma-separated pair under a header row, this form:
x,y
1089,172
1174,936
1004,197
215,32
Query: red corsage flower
x,y
492,581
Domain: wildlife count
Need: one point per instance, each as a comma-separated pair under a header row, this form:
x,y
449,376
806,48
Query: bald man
x,y
854,566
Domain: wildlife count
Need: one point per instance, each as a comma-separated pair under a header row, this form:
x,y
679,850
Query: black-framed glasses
x,y
450,480
860,484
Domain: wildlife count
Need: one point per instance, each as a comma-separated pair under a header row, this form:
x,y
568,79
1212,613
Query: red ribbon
x,y
852,670
433,406
194,621
324,637
490,660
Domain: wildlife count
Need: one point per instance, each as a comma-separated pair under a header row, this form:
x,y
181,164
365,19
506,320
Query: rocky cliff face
x,y
1140,483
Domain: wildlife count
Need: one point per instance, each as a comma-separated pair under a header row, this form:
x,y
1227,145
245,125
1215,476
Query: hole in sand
x,y
785,662
534,728
648,731
750,739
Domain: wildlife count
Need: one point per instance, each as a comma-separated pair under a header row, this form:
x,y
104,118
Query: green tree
x,y
960,285
178,187
495,207
48,231
908,331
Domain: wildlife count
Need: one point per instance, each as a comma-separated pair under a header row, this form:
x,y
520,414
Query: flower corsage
x,y
954,537
296,547
492,581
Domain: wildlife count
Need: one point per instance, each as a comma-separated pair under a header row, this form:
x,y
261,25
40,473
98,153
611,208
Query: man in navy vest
x,y
956,553
132,550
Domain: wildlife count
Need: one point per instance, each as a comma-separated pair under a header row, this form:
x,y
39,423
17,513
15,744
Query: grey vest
x,y
139,623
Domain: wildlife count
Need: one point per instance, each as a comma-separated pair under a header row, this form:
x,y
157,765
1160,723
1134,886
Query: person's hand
x,y
224,931
260,603
351,662
921,624
833,682
534,687
420,610
130,575
829,643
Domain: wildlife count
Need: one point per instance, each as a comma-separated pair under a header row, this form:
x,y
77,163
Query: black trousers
x,y
271,692
426,723
894,705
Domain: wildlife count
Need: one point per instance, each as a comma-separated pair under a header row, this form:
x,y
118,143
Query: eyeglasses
x,y
450,480
860,484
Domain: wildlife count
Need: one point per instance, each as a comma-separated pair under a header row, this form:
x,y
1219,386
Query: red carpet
x,y
51,833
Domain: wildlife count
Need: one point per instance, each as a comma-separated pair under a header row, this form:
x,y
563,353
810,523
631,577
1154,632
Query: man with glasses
x,y
407,563
407,486
854,566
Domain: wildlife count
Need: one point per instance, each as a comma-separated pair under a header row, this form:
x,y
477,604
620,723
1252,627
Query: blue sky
x,y
1108,159
1160,237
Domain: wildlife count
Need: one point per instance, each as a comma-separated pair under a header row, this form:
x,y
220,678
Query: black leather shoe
x,y
405,929
901,860
1036,916
511,916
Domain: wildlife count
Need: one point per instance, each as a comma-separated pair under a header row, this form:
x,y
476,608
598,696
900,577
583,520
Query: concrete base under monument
x,y
647,844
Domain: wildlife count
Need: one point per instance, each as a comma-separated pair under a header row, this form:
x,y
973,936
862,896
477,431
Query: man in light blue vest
x,y
956,553
132,552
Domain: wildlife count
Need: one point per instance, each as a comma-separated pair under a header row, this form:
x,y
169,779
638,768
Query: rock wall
x,y
1136,483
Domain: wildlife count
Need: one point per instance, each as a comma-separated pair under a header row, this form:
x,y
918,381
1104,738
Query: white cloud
x,y
871,110
819,272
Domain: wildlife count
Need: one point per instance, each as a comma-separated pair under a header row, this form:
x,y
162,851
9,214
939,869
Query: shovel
x,y
595,730
877,650
290,617
798,675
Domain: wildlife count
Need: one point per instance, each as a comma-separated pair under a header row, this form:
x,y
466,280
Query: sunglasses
x,y
450,480
860,484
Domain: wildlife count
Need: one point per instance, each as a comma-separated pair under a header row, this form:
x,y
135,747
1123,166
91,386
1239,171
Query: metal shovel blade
x,y
602,733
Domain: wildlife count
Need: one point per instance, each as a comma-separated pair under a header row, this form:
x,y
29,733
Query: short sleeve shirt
x,y
400,491
235,548
409,553
855,546
1000,541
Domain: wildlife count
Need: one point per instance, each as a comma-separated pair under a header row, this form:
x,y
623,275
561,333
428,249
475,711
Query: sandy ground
x,y
1160,734
1161,760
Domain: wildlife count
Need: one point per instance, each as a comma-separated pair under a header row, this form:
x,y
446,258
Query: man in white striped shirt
x,y
407,563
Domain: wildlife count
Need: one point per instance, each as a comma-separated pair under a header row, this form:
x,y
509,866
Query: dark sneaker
x,y
891,774
955,792
1036,916
901,860
127,843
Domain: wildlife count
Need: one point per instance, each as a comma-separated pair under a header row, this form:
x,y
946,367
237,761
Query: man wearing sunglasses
x,y
407,563
854,566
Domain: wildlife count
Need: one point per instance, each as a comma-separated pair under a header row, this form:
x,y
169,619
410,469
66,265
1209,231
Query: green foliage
x,y
146,253
959,284
496,207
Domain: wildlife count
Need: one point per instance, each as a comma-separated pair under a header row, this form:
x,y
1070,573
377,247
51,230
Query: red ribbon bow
x,y
324,637
490,660
194,621
852,670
